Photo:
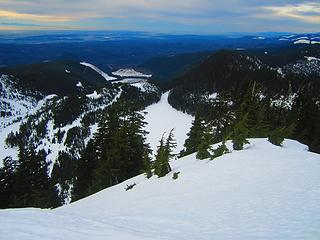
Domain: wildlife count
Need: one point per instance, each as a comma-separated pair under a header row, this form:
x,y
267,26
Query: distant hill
x,y
168,67
284,95
58,77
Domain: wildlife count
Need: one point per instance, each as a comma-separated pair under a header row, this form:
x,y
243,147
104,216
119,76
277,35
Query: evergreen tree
x,y
7,181
120,146
170,145
255,108
278,135
161,163
194,136
221,150
147,164
204,146
164,154
34,188
240,132
85,171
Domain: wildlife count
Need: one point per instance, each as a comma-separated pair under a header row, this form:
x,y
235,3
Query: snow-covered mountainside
x,y
161,118
14,102
262,192
302,38
306,67
60,125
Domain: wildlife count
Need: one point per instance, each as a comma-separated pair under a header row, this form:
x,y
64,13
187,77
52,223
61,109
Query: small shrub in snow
x,y
130,186
277,136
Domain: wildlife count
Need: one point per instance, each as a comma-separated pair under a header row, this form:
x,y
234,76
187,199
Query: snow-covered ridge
x,y
98,70
312,58
129,72
302,39
262,192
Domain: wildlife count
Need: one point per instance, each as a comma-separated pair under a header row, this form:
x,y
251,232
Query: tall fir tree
x,y
120,146
240,132
194,136
164,154
33,186
7,181
203,149
147,164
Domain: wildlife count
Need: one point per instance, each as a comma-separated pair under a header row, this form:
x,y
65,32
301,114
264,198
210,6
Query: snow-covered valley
x,y
259,193
161,118
263,192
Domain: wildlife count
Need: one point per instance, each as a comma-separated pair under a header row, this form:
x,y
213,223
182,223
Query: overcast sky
x,y
169,16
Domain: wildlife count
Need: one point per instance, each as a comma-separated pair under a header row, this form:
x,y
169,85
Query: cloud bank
x,y
189,16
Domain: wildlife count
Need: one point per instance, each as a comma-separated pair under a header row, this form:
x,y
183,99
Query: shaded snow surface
x,y
263,192
161,118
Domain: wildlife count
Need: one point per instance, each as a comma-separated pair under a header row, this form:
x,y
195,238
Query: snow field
x,y
262,192
161,118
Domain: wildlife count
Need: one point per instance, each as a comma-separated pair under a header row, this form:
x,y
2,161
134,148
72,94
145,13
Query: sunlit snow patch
x,y
94,95
79,84
312,58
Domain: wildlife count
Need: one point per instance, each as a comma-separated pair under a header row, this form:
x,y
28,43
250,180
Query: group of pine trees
x,y
117,151
252,118
25,182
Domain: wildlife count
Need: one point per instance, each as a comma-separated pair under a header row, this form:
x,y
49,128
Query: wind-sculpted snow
x,y
262,192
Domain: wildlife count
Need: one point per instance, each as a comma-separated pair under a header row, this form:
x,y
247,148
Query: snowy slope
x,y
14,103
98,70
263,192
161,118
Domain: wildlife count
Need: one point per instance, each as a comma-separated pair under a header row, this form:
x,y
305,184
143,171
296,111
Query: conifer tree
x,y
160,163
164,154
221,150
84,173
120,146
7,181
147,164
194,136
34,188
204,146
278,135
240,132
170,145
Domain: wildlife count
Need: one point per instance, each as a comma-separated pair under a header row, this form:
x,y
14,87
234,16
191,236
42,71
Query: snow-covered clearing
x,y
263,192
161,118
129,72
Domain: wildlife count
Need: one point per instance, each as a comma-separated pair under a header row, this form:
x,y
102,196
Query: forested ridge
x,y
78,144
